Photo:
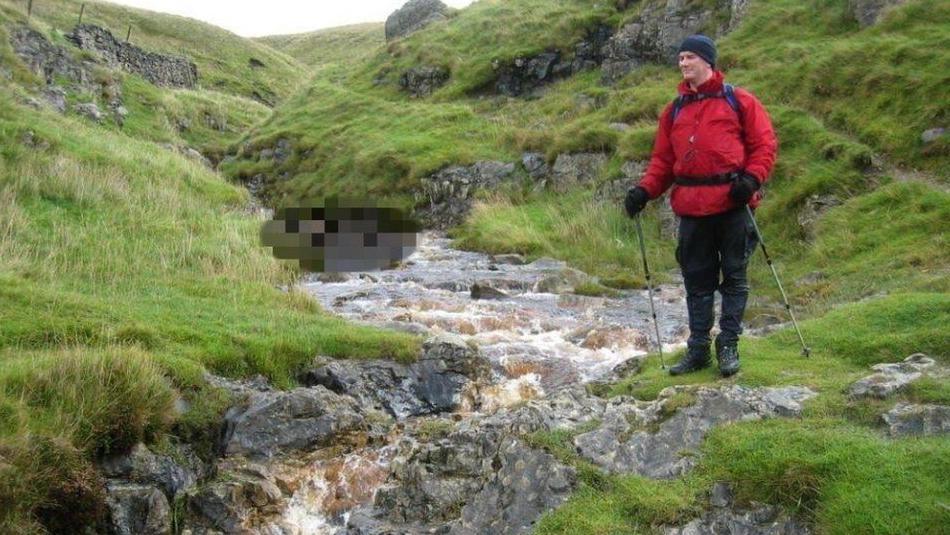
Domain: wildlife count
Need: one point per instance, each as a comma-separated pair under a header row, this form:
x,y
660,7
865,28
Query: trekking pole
x,y
656,325
805,351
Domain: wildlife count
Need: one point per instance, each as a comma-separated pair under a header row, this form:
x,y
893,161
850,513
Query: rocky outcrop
x,y
869,12
576,169
522,75
303,418
159,69
917,420
481,477
423,81
449,191
413,16
138,509
891,377
724,517
658,31
445,378
173,473
240,497
46,59
646,439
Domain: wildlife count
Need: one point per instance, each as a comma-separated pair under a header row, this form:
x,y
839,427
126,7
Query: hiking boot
x,y
696,358
728,357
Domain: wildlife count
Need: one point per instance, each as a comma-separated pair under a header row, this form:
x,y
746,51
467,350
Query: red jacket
x,y
708,140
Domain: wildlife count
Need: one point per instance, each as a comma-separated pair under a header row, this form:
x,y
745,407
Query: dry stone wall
x,y
159,69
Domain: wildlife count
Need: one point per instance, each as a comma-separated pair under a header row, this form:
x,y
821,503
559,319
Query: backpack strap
x,y
728,92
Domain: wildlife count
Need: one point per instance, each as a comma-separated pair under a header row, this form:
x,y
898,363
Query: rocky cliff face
x,y
159,69
655,35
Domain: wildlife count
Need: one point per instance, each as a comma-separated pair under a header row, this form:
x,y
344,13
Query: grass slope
x,y
331,45
223,58
125,272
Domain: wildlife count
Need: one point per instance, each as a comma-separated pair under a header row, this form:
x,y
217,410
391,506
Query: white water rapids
x,y
536,342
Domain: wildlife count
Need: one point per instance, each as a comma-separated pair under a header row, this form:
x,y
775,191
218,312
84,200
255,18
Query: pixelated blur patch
x,y
341,235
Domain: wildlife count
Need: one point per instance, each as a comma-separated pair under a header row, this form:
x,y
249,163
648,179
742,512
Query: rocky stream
x,y
441,445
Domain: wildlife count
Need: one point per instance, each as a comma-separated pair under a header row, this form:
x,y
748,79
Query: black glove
x,y
637,198
743,188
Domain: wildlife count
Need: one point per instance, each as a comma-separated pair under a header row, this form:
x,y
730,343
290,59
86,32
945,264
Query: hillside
x,y
128,270
159,368
319,48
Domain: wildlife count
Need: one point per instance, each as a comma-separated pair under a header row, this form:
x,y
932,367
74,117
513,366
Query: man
x,y
715,146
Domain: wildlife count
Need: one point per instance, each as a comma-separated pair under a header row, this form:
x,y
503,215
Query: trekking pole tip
x,y
806,352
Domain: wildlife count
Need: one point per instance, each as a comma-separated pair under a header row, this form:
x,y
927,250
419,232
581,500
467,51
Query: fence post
x,y
81,9
128,33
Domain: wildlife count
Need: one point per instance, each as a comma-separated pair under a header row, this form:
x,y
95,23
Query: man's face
x,y
694,68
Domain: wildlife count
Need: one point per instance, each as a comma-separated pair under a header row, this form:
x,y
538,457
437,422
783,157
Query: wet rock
x,y
172,475
564,281
276,422
723,518
576,169
159,69
508,259
527,484
484,290
917,420
441,380
137,509
870,12
237,497
423,81
333,277
89,110
642,438
656,33
929,136
815,206
447,366
480,478
891,377
413,16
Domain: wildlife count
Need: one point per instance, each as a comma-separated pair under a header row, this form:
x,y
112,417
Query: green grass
x,y
832,467
331,45
223,59
126,272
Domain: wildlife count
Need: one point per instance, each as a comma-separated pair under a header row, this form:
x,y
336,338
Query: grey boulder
x,y
299,419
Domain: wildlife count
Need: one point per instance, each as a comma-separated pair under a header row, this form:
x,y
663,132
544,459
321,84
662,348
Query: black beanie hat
x,y
702,46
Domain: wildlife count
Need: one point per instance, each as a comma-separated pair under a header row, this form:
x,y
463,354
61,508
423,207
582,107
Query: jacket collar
x,y
713,85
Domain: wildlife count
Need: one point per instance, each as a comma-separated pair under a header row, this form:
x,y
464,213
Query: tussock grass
x,y
126,273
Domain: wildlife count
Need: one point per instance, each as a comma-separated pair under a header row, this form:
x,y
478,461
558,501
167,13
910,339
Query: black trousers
x,y
713,252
